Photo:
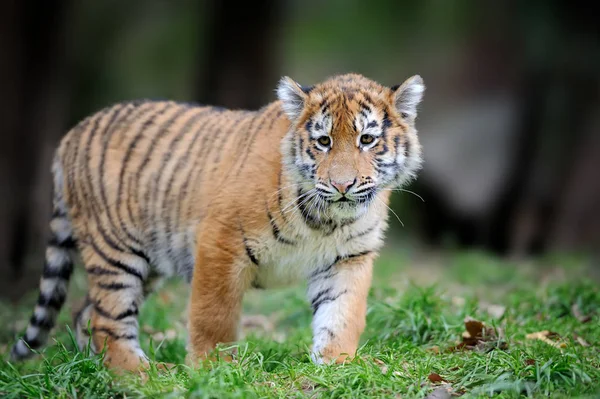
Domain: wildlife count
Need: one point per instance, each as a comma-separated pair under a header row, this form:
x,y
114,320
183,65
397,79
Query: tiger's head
x,y
350,139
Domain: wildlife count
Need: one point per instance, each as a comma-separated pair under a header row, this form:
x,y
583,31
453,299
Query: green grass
x,y
416,311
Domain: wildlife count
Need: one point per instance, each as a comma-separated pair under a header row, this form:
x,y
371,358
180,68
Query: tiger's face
x,y
350,139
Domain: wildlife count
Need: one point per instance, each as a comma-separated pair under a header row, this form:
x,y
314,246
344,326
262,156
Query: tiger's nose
x,y
344,186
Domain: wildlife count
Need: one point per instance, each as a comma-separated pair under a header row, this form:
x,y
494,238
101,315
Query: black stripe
x,y
276,231
133,311
249,252
319,295
115,286
67,243
317,304
46,324
406,147
116,263
127,313
128,154
109,133
140,254
113,334
198,167
338,259
254,133
33,343
168,153
58,214
99,271
384,149
221,143
167,200
386,123
396,144
62,271
163,130
110,113
55,301
310,154
280,196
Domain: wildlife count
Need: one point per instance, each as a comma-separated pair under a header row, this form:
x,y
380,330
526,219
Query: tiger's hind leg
x,y
116,292
82,317
81,323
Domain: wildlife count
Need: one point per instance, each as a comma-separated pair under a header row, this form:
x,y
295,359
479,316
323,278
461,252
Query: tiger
x,y
229,200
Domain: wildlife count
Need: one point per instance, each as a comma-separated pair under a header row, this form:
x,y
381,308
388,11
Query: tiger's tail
x,y
58,268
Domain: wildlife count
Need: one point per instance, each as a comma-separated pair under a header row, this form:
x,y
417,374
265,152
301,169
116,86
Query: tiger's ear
x,y
408,95
292,96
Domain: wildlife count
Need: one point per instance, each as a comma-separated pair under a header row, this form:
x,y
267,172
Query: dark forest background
x,y
510,123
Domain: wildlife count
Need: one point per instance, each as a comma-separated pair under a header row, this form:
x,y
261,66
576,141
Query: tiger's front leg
x,y
215,304
338,296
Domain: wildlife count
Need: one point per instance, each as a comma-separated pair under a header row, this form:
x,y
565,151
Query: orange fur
x,y
230,200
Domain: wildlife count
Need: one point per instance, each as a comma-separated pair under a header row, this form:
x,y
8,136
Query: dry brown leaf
x,y
435,378
480,337
530,362
549,337
579,315
475,328
435,349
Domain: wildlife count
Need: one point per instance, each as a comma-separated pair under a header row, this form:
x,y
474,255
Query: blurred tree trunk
x,y
560,95
545,201
240,61
33,114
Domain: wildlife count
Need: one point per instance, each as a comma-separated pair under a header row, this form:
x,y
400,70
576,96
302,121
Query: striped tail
x,y
57,271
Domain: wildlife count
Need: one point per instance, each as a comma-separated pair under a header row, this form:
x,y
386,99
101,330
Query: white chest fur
x,y
285,263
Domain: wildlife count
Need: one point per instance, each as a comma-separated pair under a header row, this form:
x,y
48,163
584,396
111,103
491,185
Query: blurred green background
x,y
510,122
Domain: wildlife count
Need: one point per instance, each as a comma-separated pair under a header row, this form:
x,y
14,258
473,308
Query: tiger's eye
x,y
366,139
325,141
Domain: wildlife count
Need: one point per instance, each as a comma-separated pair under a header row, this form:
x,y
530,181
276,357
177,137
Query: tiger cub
x,y
230,200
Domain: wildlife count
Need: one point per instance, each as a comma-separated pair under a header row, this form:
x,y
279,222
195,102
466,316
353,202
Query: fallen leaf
x,y
458,301
439,393
549,337
435,349
579,315
496,311
170,334
530,362
382,366
581,341
475,328
148,330
435,378
480,337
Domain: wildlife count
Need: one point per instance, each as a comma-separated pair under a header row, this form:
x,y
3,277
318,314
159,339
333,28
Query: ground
x,y
416,343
